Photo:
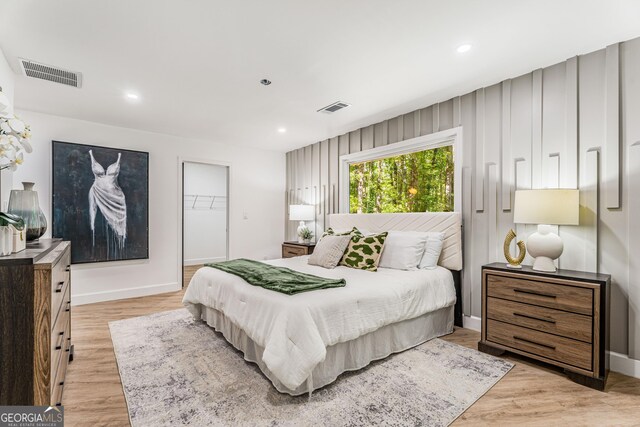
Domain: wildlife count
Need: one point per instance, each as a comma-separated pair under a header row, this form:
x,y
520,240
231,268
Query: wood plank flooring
x,y
531,394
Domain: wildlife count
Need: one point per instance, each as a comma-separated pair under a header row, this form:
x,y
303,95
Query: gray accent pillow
x,y
329,250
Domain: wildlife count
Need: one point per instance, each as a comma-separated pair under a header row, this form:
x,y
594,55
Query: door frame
x,y
181,162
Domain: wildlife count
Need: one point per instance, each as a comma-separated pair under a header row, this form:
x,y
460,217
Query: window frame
x,y
443,138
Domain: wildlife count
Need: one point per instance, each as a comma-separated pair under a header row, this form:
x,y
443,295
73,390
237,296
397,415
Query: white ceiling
x,y
196,64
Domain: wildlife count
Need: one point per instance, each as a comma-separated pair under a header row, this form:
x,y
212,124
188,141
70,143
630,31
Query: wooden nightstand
x,y
559,318
292,249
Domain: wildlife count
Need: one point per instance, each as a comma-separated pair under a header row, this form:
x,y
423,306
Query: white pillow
x,y
329,250
403,250
435,241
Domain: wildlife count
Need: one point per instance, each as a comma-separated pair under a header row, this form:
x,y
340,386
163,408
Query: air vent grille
x,y
50,73
332,108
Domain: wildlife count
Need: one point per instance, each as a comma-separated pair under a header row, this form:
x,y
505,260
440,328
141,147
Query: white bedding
x,y
296,329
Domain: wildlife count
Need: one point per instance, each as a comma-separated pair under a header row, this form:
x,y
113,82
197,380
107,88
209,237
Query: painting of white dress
x,y
100,202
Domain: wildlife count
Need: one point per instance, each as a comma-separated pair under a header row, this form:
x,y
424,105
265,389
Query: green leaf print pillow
x,y
364,252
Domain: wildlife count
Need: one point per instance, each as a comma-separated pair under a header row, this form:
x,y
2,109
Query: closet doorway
x,y
205,216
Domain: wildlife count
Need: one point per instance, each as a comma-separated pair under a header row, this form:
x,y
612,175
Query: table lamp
x,y
545,208
301,213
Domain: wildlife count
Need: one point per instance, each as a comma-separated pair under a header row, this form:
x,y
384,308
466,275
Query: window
x,y
422,181
421,174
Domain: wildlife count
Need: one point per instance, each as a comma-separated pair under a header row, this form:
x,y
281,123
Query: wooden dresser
x,y
559,318
293,249
35,308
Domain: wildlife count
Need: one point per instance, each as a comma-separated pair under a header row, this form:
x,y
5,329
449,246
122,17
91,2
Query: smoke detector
x,y
332,108
50,73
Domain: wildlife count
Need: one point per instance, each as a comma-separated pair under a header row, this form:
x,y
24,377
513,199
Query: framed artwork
x,y
100,202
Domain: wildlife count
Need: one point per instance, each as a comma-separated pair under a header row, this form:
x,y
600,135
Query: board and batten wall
x,y
575,124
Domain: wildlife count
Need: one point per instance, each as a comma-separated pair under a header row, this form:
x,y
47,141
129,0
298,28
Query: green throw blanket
x,y
279,279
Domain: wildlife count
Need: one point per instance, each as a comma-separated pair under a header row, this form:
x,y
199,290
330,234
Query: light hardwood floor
x,y
531,394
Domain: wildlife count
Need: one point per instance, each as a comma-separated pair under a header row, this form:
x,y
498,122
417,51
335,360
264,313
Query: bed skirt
x,y
346,356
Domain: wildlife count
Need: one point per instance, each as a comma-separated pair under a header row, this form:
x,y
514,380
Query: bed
x,y
305,341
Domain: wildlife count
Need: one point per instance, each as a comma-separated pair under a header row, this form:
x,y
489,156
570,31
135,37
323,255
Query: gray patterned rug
x,y
176,371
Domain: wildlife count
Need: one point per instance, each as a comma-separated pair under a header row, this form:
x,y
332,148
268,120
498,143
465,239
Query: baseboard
x,y
472,322
199,261
623,364
117,294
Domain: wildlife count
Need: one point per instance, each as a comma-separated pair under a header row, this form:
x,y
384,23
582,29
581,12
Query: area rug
x,y
178,371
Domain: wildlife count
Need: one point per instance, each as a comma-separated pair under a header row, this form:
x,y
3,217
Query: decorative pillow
x,y
331,232
403,250
432,250
329,250
364,252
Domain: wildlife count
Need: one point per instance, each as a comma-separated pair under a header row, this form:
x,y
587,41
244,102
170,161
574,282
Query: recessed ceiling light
x,y
463,48
265,82
132,96
282,130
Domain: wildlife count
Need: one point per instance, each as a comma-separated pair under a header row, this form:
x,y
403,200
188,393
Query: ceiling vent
x,y
332,108
52,74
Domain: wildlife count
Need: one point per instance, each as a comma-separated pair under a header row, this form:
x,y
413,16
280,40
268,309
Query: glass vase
x,y
24,203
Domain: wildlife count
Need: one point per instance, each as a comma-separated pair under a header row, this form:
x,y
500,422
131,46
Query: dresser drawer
x,y
570,325
60,337
60,274
563,297
58,377
293,251
565,350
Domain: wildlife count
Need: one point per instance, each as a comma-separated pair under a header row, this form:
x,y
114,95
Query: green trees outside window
x,y
414,182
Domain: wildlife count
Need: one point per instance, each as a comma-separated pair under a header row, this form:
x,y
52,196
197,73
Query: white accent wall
x,y
256,187
573,124
7,83
205,220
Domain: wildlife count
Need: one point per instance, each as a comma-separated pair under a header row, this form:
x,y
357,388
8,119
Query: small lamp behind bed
x,y
301,213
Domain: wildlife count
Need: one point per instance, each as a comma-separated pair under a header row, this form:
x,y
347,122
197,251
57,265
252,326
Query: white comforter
x,y
295,330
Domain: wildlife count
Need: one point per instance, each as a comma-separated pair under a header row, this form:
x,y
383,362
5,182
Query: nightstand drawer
x,y
293,251
557,322
565,350
568,298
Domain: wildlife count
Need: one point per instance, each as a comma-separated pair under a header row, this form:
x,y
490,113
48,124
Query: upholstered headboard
x,y
448,222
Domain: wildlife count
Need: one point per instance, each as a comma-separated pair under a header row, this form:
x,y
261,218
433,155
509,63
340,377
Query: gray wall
x,y
573,124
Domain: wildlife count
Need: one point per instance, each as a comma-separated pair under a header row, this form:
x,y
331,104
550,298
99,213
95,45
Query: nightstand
x,y
293,249
560,318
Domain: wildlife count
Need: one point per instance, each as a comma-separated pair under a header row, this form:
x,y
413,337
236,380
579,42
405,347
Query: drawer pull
x,y
68,268
528,316
59,287
60,340
68,308
537,293
552,347
61,383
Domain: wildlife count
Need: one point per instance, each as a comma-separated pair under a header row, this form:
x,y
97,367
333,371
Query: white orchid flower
x,y
17,125
26,145
19,159
4,127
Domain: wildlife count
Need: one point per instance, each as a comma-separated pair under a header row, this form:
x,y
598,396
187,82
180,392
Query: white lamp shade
x,y
550,206
301,212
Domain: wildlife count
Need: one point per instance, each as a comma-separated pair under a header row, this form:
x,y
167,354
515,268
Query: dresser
x,y
35,308
559,318
293,249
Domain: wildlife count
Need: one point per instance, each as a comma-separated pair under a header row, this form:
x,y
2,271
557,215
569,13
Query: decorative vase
x,y
24,203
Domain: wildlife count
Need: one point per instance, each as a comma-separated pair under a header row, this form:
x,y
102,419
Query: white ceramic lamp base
x,y
301,227
545,246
